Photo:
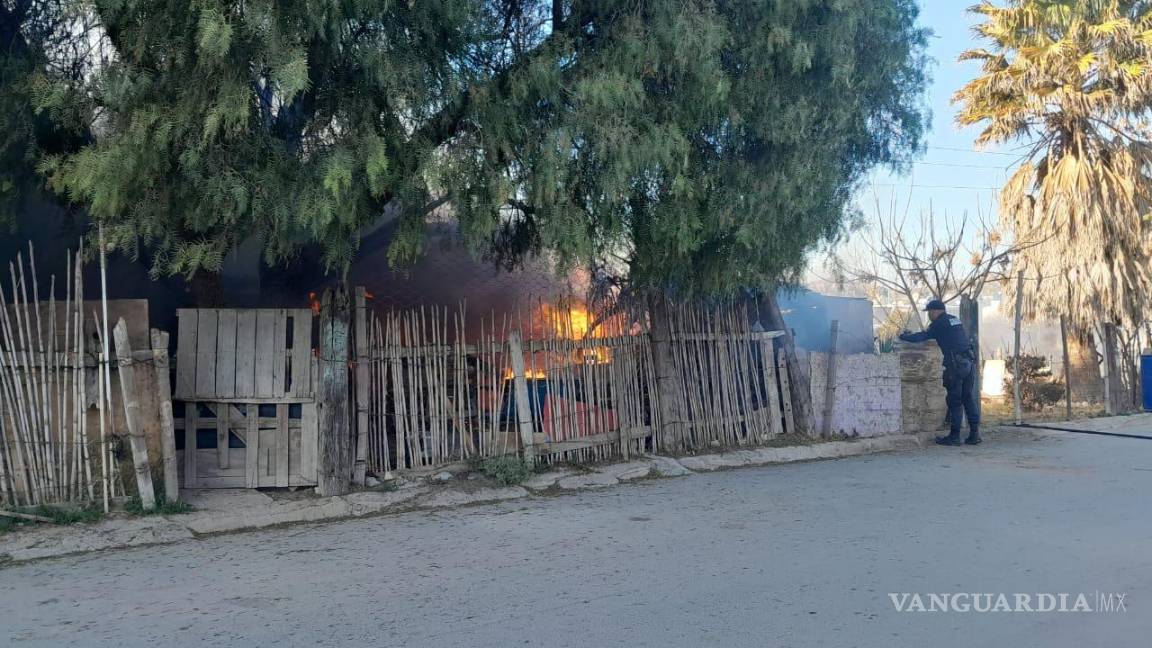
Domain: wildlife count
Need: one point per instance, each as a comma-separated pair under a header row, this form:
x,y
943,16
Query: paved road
x,y
798,555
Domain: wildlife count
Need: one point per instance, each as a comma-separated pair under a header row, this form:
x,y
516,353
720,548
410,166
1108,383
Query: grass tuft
x,y
507,471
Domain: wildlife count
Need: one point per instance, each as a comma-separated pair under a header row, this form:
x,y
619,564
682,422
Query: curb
x,y
41,543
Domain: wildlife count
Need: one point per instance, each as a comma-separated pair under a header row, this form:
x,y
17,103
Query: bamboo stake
x,y
26,446
10,383
82,376
43,379
30,383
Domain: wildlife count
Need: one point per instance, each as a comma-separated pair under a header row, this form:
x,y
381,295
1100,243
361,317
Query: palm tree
x,y
1072,80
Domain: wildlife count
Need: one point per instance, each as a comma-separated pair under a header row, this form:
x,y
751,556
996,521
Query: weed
x,y
163,507
507,471
58,514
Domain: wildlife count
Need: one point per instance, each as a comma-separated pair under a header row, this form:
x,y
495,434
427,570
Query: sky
x,y
951,175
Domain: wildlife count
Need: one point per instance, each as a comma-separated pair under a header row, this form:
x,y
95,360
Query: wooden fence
x,y
555,387
734,385
246,382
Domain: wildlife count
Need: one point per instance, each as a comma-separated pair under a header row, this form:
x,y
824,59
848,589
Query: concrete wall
x,y
921,387
868,393
878,394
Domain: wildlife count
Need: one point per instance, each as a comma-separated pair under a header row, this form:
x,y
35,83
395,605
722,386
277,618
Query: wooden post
x,y
132,417
801,392
1111,393
1067,368
360,467
334,458
167,427
830,388
1016,405
669,396
520,392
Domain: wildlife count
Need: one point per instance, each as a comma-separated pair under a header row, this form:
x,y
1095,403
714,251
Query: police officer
x,y
959,370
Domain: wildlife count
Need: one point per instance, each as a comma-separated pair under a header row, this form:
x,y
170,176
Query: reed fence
x,y
51,363
555,386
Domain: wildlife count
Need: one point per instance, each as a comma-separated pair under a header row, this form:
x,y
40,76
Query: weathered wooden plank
x,y
830,383
280,354
308,441
301,353
266,459
245,354
212,476
252,446
226,353
167,425
282,439
129,391
206,354
546,447
785,391
190,423
222,453
265,341
771,388
186,353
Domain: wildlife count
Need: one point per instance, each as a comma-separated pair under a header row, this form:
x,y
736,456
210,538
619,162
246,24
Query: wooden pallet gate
x,y
246,381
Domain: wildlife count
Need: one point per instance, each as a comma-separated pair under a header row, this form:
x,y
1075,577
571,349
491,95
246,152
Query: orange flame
x,y
528,373
575,323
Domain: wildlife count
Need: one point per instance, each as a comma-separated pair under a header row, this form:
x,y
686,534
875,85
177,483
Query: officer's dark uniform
x,y
959,372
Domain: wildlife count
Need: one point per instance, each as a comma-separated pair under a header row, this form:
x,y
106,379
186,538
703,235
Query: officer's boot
x,y
973,436
953,438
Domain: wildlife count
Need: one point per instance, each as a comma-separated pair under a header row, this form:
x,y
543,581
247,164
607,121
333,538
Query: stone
x,y
441,498
443,476
544,481
588,480
628,471
371,482
667,467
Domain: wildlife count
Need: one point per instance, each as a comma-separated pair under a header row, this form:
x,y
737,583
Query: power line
x,y
965,166
964,150
920,186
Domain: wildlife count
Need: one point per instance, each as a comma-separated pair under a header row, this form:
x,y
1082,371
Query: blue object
x,y
1146,381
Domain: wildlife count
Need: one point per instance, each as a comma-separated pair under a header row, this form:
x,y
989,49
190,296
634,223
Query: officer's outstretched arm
x,y
909,336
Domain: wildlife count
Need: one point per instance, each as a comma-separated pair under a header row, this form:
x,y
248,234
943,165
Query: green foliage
x,y
64,515
163,507
507,471
287,121
704,146
693,147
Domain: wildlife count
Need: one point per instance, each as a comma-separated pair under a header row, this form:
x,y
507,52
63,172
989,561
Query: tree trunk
x,y
335,458
1084,369
669,391
801,384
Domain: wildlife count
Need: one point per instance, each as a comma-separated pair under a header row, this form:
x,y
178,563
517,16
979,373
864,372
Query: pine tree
x,y
697,146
